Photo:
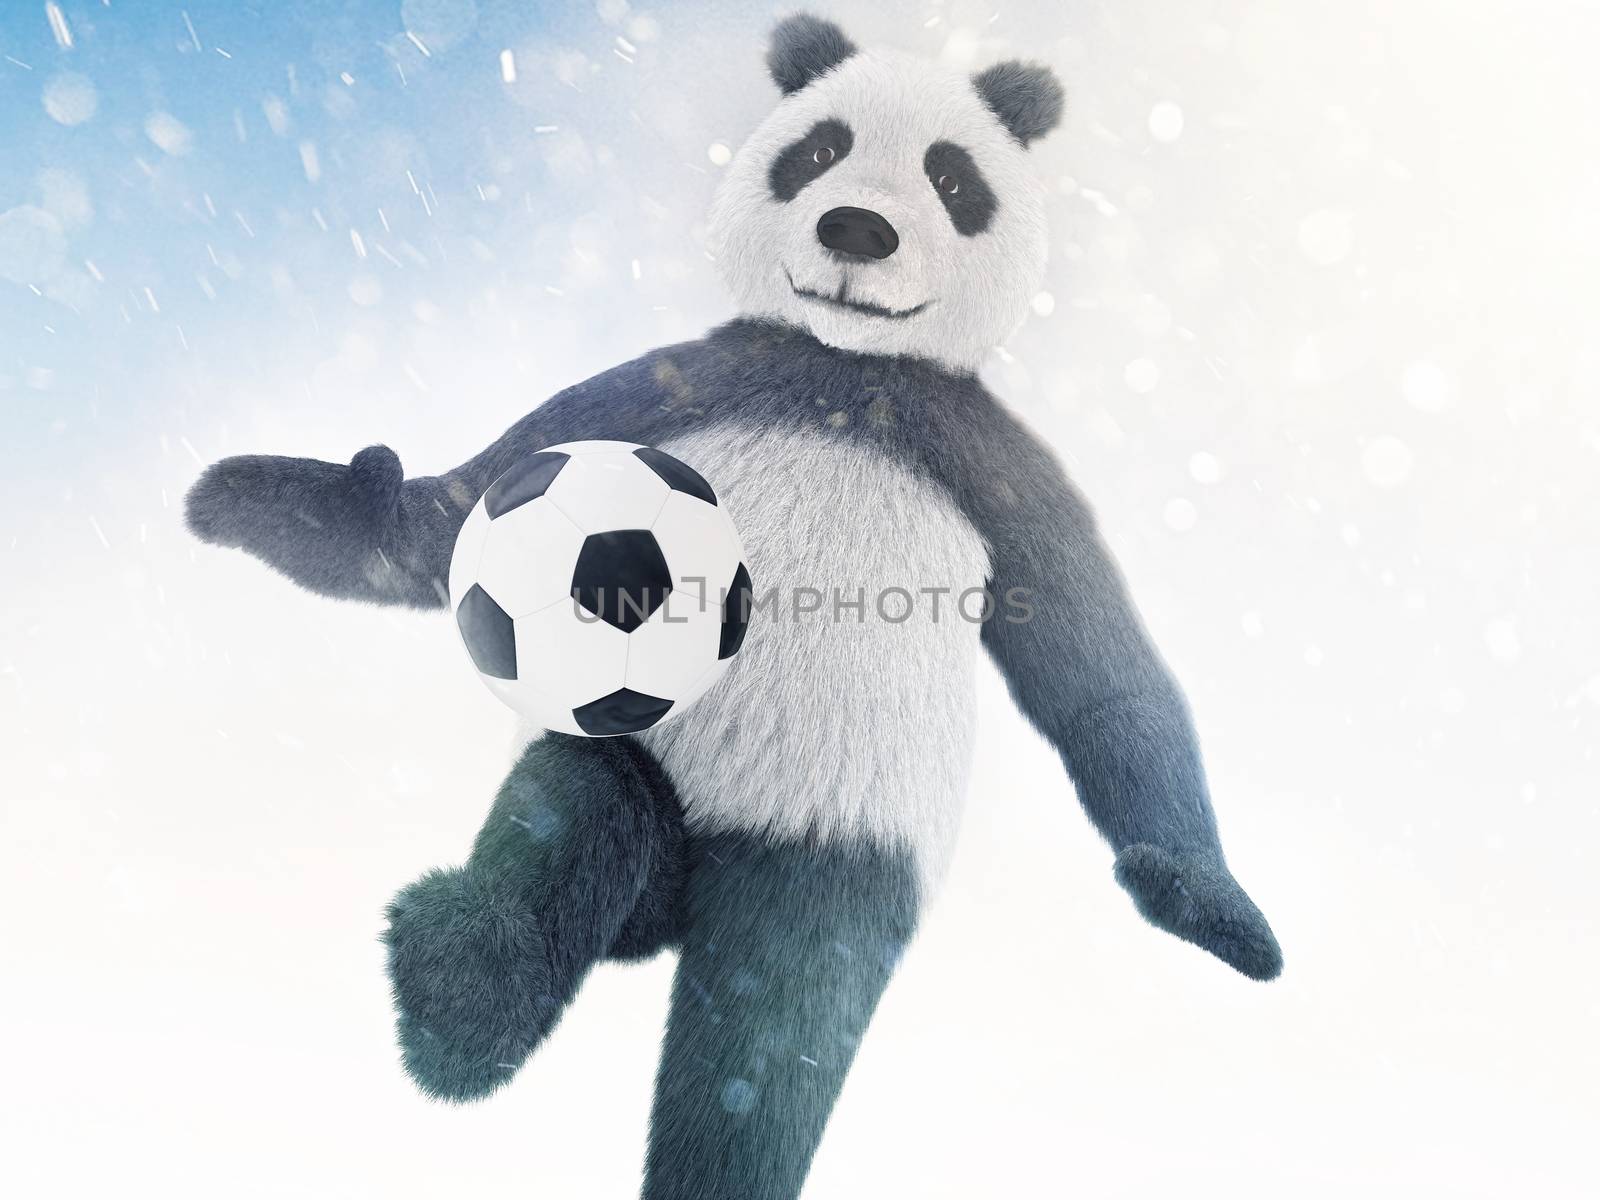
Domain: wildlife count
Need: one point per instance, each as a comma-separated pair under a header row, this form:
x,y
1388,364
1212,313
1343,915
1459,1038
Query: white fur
x,y
977,288
834,730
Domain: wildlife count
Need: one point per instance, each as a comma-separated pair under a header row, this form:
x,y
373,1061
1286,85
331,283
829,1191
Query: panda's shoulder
x,y
642,399
746,370
970,429
998,470
642,379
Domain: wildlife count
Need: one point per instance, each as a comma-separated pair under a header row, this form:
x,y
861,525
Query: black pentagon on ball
x,y
679,476
623,711
489,633
735,613
621,577
527,480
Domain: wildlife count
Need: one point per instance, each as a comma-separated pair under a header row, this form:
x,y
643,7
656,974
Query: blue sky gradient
x,y
184,175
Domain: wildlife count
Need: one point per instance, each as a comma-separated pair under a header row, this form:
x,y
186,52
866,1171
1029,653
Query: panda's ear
x,y
1026,97
802,48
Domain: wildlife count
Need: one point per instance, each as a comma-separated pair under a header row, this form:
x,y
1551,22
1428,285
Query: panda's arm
x,y
1080,665
362,531
352,531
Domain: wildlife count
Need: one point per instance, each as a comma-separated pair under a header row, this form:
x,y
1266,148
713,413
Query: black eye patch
x,y
966,194
802,161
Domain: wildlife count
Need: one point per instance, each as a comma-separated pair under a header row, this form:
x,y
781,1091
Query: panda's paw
x,y
471,984
1194,897
236,499
257,501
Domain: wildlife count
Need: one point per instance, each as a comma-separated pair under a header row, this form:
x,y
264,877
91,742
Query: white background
x,y
1317,340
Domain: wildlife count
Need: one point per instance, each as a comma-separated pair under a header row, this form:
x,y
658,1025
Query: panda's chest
x,y
848,710
837,534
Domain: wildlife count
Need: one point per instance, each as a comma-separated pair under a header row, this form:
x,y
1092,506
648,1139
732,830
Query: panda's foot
x,y
472,984
1194,897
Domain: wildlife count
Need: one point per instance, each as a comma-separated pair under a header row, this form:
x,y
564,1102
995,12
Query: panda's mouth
x,y
841,299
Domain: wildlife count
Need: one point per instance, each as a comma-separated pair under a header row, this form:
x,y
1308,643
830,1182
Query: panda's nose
x,y
857,231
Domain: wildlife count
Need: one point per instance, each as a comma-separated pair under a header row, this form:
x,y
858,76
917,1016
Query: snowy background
x,y
1317,339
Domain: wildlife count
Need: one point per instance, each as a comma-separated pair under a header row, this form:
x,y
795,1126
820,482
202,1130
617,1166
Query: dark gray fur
x,y
973,205
802,48
787,948
1026,97
1082,669
796,164
582,858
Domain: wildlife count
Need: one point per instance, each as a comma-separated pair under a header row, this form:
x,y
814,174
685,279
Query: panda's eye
x,y
966,195
808,158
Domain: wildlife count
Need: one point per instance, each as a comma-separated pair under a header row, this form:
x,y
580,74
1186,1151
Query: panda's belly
x,y
839,723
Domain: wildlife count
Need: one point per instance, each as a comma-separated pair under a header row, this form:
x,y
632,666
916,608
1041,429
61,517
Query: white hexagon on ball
x,y
599,587
702,536
606,489
512,566
565,655
670,652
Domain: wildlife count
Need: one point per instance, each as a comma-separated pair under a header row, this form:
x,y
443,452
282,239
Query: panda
x,y
881,232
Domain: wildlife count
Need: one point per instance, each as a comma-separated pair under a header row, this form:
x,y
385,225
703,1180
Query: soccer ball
x,y
599,587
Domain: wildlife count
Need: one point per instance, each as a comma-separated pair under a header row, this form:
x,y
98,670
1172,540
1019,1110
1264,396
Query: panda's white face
x,y
886,209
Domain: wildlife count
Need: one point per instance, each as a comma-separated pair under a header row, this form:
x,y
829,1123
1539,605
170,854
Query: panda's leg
x,y
786,950
581,857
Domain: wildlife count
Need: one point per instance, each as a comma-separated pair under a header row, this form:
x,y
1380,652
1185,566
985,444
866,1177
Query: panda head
x,y
887,205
